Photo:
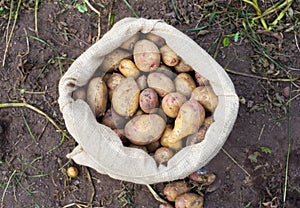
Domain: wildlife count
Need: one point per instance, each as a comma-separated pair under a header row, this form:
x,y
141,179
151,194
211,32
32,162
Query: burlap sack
x,y
100,148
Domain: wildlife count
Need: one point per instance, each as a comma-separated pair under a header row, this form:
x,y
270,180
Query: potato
x,y
148,100
144,129
159,41
172,102
113,120
80,93
146,55
165,142
189,200
207,122
163,155
125,98
128,68
190,117
152,147
184,84
204,179
206,96
201,81
113,81
142,82
129,44
166,71
169,57
165,205
183,67
197,137
162,84
174,189
97,96
111,60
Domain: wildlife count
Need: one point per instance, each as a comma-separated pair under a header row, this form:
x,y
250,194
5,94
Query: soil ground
x,y
251,167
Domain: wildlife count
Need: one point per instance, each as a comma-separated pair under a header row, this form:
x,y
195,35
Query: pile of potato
x,y
150,97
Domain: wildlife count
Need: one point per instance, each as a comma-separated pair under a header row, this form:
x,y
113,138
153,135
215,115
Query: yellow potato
x,y
159,41
163,155
206,96
146,55
129,44
128,68
125,98
201,81
111,60
184,84
113,81
172,102
165,142
169,57
204,179
189,200
183,67
175,189
144,129
190,117
97,96
162,84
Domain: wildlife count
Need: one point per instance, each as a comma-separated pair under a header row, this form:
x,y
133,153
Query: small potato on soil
x,y
72,172
162,84
201,81
146,55
184,84
189,200
190,117
166,205
80,93
183,67
97,96
128,68
169,57
129,44
165,142
148,100
142,82
205,179
159,41
111,60
174,189
172,102
206,96
163,155
144,129
125,99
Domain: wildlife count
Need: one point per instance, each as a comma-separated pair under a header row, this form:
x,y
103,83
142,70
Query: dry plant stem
x,y
258,12
282,13
36,18
92,185
77,205
273,9
7,105
12,29
155,195
6,187
235,162
99,17
263,78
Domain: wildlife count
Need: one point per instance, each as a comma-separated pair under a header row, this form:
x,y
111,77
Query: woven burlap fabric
x,y
101,149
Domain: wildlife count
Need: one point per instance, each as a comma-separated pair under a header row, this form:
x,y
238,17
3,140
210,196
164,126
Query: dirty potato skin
x,y
128,68
162,84
146,55
163,155
174,189
111,60
125,98
182,66
189,200
112,82
159,41
97,96
184,84
172,102
148,100
169,57
144,129
165,142
206,96
129,44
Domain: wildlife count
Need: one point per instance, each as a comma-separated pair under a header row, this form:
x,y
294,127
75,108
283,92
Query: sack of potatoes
x,y
146,104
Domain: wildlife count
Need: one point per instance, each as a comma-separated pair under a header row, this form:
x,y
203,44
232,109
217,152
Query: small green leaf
x,y
236,37
2,11
266,149
82,7
112,20
225,42
249,204
253,157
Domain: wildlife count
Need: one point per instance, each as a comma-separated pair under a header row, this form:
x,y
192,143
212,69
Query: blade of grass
x,y
12,29
130,7
28,128
289,148
42,41
6,187
155,195
176,11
